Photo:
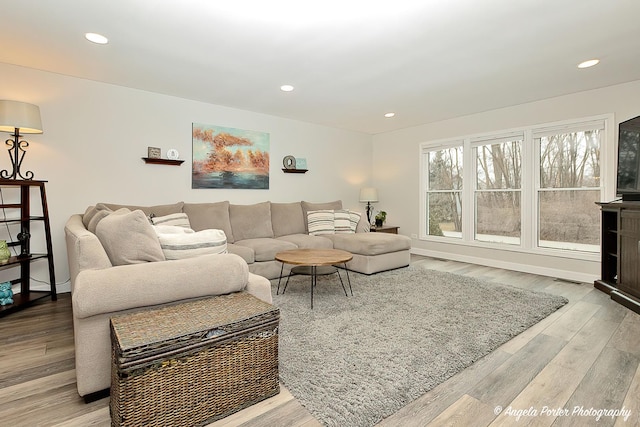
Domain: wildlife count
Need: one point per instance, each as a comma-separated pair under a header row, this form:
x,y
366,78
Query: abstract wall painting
x,y
229,158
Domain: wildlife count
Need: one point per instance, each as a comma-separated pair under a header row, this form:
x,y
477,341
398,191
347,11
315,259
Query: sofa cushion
x,y
370,243
287,218
129,238
243,252
265,249
306,241
321,222
189,245
309,206
251,221
203,216
98,216
157,210
177,219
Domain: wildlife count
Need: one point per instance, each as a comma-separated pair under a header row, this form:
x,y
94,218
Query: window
x,y
569,186
497,191
532,189
444,191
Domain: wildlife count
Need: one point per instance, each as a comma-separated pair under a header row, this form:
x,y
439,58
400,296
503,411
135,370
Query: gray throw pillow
x,y
251,221
128,238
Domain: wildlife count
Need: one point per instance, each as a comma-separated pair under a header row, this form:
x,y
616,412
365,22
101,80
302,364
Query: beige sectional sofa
x,y
107,281
257,232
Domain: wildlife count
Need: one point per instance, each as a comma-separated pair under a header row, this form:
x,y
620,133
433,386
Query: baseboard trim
x,y
525,268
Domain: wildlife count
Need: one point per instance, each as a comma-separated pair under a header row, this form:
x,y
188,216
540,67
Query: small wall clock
x,y
173,154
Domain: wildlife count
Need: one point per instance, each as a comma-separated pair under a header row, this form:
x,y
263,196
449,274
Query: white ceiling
x,y
350,61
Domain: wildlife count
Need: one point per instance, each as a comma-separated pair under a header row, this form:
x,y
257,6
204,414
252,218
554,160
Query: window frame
x,y
529,183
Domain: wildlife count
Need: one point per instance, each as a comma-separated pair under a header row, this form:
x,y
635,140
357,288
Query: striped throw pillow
x,y
188,245
342,221
321,222
177,219
354,219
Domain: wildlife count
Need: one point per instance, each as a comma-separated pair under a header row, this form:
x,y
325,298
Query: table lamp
x,y
16,117
369,195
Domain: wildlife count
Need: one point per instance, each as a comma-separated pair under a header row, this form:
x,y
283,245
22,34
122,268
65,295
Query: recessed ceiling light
x,y
96,38
286,88
389,115
589,63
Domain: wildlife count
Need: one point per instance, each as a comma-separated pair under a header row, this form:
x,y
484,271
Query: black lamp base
x,y
16,153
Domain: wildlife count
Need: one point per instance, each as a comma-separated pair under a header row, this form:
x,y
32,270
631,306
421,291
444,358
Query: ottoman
x,y
193,363
374,252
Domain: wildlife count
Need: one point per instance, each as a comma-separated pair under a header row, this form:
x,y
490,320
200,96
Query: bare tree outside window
x,y
569,188
497,195
444,194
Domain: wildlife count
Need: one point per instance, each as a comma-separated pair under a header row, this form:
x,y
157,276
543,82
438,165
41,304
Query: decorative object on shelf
x,y
23,238
301,163
154,152
16,117
289,162
368,195
173,154
381,217
6,293
5,254
229,158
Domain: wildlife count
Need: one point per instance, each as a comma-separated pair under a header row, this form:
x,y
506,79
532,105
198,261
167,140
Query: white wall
x,y
396,171
95,135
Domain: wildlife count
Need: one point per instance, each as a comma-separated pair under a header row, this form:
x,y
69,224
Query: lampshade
x,y
16,114
368,194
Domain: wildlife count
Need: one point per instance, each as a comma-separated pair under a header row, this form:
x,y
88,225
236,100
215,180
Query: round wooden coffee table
x,y
314,262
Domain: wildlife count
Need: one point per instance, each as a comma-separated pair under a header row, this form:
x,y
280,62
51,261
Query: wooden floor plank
x,y
427,407
604,387
466,411
507,381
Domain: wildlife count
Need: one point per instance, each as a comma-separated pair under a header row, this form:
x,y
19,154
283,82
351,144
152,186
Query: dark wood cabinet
x,y
620,252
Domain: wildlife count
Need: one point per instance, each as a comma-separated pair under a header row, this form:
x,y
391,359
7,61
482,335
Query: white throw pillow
x,y
188,245
171,229
321,222
354,219
176,219
342,221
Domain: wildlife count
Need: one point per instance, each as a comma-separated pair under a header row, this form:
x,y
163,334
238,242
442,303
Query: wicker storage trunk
x,y
193,363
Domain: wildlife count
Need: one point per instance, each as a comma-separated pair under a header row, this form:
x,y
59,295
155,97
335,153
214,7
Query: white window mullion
x,y
529,191
468,191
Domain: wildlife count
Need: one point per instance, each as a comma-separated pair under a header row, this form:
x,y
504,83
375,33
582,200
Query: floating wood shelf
x,y
295,170
163,161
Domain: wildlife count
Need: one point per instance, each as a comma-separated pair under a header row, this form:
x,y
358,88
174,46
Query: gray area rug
x,y
352,361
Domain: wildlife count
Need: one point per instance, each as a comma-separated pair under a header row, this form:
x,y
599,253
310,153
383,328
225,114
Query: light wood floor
x,y
586,355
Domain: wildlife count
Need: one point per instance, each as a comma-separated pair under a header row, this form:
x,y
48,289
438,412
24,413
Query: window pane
x,y
570,219
498,216
445,214
499,165
570,160
445,169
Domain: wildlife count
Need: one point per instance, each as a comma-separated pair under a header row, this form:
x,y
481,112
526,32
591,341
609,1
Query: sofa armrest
x,y
140,285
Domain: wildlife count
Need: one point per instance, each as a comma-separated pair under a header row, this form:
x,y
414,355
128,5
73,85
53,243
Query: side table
x,y
385,229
